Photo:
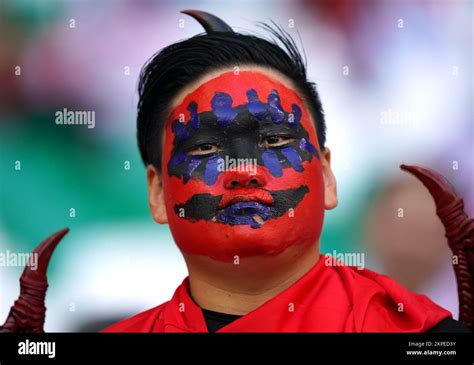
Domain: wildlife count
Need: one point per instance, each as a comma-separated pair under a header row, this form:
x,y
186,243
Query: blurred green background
x,y
395,80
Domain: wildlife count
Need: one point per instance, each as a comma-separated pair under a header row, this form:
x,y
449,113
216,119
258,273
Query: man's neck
x,y
240,288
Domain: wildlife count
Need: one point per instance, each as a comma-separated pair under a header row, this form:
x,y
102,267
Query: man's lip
x,y
246,195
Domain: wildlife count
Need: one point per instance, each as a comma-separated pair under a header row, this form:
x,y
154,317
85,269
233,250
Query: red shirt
x,y
325,299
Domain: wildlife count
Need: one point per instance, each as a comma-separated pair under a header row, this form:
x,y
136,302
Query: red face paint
x,y
221,210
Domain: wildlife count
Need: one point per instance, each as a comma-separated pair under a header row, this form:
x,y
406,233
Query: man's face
x,y
241,169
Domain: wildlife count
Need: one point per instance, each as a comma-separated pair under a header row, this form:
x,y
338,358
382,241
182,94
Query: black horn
x,y
210,23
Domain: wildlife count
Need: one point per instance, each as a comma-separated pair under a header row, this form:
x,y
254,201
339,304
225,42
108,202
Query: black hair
x,y
182,63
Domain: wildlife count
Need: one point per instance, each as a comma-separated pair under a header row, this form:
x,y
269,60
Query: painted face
x,y
241,169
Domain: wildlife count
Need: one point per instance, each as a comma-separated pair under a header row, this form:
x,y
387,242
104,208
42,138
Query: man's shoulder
x,y
381,304
142,322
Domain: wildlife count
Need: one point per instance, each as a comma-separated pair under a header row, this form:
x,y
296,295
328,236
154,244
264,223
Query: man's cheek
x,y
177,192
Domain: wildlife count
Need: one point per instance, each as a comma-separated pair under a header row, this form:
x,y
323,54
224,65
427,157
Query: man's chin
x,y
240,242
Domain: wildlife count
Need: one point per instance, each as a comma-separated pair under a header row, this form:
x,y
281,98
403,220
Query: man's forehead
x,y
235,82
241,85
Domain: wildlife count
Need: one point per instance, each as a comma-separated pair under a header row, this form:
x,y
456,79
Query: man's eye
x,y
204,149
276,141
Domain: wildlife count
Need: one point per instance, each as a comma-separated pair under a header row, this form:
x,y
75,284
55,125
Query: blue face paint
x,y
296,112
177,159
306,145
179,130
212,170
193,163
293,157
254,105
193,110
222,107
274,107
270,160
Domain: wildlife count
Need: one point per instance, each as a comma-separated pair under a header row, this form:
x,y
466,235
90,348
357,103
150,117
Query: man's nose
x,y
244,179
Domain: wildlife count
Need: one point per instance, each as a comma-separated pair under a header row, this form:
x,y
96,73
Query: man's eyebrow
x,y
277,128
201,136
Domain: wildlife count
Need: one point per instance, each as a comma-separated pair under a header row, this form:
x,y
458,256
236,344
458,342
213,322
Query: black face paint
x,y
238,131
206,207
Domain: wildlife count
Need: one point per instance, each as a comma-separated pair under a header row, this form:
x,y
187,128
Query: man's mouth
x,y
241,208
239,213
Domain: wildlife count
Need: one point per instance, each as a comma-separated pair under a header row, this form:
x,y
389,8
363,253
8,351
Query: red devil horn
x,y
459,229
28,312
441,190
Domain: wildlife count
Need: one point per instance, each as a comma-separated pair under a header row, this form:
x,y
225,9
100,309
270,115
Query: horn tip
x,y
61,233
208,21
406,167
192,12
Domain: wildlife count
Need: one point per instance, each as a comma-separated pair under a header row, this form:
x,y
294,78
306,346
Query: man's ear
x,y
330,190
156,197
